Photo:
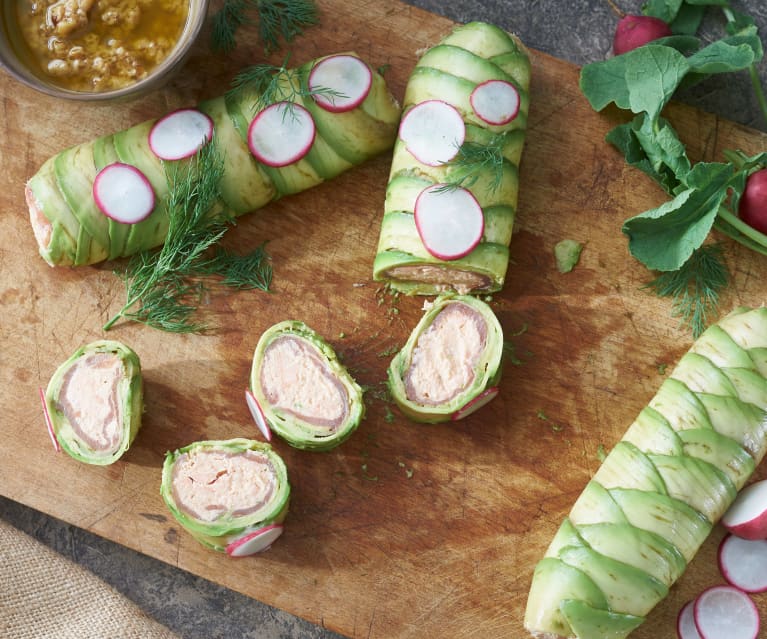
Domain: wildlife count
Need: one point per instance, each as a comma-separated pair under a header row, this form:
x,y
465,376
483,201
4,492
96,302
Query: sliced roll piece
x,y
71,229
94,402
230,495
305,394
463,127
451,363
660,491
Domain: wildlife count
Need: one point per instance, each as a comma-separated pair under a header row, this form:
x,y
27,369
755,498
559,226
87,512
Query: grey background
x,y
580,31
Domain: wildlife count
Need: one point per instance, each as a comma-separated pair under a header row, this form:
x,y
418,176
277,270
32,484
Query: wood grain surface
x,y
405,530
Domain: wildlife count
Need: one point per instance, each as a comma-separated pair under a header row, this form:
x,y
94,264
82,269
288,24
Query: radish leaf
x,y
664,238
653,73
654,149
730,54
643,81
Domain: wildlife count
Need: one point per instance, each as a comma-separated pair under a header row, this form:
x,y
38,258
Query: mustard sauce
x,y
98,45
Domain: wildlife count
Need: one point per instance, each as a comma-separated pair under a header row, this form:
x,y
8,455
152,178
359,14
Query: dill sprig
x,y
276,18
271,84
474,159
251,271
695,287
165,287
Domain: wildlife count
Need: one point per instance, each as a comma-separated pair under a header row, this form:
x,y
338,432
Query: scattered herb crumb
x,y
389,417
341,335
510,349
365,474
379,392
567,253
381,294
388,352
554,426
601,453
408,471
662,369
510,352
520,331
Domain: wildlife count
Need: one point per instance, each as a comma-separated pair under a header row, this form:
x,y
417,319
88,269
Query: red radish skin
x,y
685,622
449,221
123,193
634,31
747,516
726,612
258,415
433,132
495,102
485,397
346,75
49,423
281,134
752,207
743,563
180,134
254,542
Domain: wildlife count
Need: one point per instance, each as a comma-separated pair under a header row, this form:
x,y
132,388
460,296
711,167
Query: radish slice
x,y
258,415
475,404
122,192
495,101
281,134
743,562
685,622
449,221
726,612
49,423
180,134
433,131
747,516
254,542
348,77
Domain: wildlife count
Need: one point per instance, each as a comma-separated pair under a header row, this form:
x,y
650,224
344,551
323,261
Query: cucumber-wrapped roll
x,y
451,363
454,180
295,129
300,390
230,495
94,401
660,490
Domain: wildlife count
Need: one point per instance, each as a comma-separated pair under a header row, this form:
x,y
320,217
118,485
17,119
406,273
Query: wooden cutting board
x,y
406,530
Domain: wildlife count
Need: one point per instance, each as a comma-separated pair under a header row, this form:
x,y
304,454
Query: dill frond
x,y
475,159
285,18
276,19
164,287
271,84
251,271
695,287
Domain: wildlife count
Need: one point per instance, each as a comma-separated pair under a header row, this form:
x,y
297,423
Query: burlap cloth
x,y
44,595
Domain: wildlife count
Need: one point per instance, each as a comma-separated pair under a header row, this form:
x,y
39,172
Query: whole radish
x,y
634,31
752,207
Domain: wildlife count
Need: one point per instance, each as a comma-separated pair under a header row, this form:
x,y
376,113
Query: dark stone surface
x,y
581,31
576,30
